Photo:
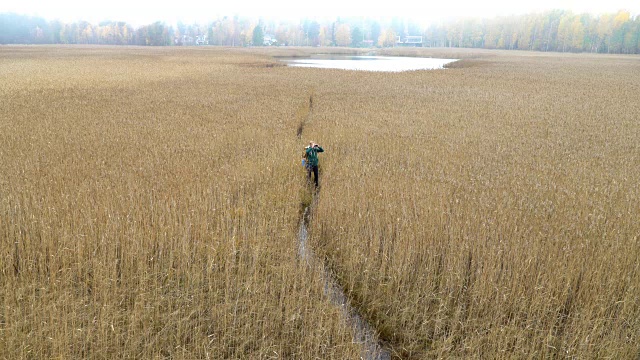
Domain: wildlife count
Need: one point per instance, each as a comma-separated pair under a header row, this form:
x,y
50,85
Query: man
x,y
311,152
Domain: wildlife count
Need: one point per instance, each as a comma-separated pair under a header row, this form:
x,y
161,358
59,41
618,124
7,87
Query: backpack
x,y
305,162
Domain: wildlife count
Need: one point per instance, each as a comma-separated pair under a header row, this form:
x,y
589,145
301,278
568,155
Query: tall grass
x,y
144,212
149,203
488,212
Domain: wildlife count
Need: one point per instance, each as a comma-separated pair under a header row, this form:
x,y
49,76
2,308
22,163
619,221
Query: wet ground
x,y
364,333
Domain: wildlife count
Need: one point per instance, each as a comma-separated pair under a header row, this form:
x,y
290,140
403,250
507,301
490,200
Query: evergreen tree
x,y
356,37
258,36
375,31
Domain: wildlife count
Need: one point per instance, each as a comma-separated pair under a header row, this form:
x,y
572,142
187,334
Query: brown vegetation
x,y
487,211
146,210
149,200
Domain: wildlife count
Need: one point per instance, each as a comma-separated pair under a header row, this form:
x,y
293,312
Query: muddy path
x,y
363,332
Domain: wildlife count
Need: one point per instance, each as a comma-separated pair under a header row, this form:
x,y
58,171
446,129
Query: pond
x,y
369,63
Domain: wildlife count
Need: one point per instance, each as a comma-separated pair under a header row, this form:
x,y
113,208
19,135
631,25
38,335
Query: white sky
x,y
146,11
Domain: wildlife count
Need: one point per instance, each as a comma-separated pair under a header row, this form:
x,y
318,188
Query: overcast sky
x,y
147,11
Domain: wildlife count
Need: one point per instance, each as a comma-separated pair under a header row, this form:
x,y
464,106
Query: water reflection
x,y
370,63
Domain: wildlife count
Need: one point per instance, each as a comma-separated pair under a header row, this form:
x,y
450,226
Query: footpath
x,y
363,332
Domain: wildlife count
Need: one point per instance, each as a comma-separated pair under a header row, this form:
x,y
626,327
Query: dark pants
x,y
313,169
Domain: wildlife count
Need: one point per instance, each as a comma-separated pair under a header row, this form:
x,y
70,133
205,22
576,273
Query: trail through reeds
x,y
363,332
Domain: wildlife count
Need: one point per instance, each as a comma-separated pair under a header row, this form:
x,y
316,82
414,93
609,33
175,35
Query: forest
x,y
555,30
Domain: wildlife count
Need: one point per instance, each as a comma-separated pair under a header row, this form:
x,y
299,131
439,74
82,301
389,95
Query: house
x,y
409,40
368,43
183,40
187,40
202,40
269,40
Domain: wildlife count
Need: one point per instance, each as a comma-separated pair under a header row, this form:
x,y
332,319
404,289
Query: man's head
x,y
312,144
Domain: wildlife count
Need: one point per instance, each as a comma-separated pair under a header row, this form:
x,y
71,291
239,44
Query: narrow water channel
x,y
363,331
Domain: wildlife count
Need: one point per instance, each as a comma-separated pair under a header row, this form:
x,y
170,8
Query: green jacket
x,y
312,155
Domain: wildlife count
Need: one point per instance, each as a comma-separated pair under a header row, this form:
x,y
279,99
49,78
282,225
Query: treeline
x,y
555,30
19,29
550,31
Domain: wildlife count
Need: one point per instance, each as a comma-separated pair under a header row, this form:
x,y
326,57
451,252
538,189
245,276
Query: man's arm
x,y
319,148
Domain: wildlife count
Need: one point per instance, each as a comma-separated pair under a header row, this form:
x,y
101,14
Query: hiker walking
x,y
311,160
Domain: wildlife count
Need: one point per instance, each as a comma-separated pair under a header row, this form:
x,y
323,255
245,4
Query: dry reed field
x,y
489,211
150,199
147,209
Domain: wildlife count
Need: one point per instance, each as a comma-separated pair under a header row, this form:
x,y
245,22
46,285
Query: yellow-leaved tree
x,y
343,35
387,38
